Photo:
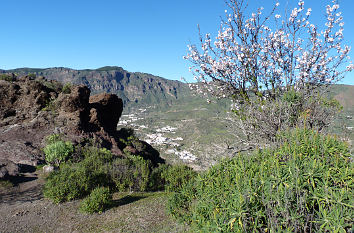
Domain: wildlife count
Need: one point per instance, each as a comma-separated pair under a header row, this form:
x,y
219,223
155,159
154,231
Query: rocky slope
x,y
132,88
31,109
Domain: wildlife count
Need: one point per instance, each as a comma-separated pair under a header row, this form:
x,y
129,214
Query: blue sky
x,y
145,36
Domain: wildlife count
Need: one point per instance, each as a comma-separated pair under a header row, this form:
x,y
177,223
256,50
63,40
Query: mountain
x,y
164,112
134,88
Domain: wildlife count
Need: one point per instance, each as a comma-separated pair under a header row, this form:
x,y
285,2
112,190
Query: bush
x,y
97,159
132,173
156,182
99,200
76,180
58,151
72,182
8,77
67,88
176,176
304,185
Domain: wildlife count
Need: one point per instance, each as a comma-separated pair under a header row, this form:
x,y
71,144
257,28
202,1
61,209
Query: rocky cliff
x,y
132,88
33,108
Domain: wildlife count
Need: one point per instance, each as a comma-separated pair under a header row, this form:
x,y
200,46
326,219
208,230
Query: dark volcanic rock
x,y
31,109
73,109
8,168
106,110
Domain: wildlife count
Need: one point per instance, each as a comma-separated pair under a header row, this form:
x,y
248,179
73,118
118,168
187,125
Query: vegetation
x,y
132,173
99,199
71,182
57,151
304,185
174,177
8,77
67,88
5,184
260,59
90,168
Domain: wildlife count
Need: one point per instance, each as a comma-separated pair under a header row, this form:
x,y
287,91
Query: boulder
x,y
8,168
106,109
48,169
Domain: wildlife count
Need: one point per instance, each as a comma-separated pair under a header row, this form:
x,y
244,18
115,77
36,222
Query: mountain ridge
x,y
136,88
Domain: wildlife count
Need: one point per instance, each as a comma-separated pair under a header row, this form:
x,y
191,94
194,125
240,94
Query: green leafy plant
x,y
176,176
67,88
72,182
306,183
58,151
99,199
50,106
132,173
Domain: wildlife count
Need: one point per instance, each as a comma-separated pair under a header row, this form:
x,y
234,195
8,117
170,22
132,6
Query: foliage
x,y
304,185
131,173
127,136
53,138
58,151
99,199
8,77
176,176
76,179
31,75
261,120
170,177
72,182
96,167
5,184
67,88
96,159
257,66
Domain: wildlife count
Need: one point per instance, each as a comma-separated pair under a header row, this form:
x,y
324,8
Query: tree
x,y
277,77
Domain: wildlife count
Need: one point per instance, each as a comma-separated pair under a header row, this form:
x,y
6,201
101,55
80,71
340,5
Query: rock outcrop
x,y
105,111
31,109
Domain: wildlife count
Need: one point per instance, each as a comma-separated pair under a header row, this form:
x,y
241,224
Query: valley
x,y
182,126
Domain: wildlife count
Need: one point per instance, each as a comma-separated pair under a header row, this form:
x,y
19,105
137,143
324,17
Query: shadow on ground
x,y
126,200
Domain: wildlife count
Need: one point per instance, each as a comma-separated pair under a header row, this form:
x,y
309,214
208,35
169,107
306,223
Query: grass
x,y
5,184
133,212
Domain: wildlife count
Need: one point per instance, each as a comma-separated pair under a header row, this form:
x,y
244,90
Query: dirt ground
x,y
23,209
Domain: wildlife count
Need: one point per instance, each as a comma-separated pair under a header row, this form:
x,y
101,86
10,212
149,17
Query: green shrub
x,y
53,138
72,182
67,88
32,75
157,183
132,173
8,77
97,159
76,180
99,199
170,177
304,185
58,151
176,176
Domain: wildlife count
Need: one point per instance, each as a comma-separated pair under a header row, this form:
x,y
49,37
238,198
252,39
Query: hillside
x,y
138,89
185,128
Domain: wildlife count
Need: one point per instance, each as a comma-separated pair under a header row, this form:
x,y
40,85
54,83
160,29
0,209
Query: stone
x,y
48,168
106,109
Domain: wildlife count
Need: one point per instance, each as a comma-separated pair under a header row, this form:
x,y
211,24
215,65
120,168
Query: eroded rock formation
x,y
31,109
